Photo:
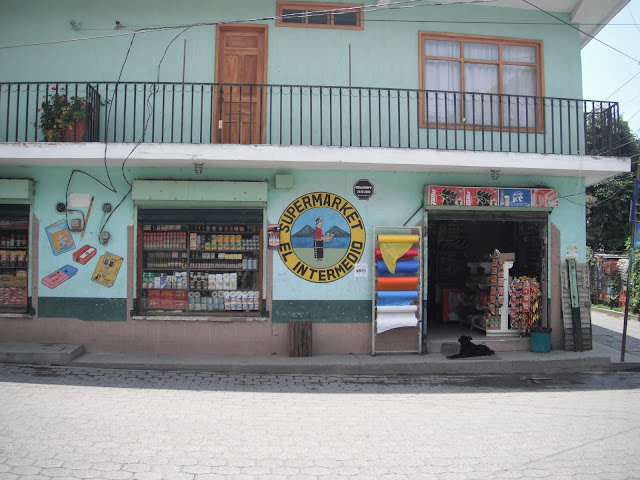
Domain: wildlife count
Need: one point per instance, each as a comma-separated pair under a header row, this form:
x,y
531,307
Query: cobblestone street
x,y
69,422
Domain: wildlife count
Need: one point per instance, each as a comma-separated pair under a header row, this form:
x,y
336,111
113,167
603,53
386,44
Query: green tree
x,y
608,201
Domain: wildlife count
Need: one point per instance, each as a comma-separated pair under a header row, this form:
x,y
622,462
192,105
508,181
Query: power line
x,y
632,18
622,86
581,31
365,8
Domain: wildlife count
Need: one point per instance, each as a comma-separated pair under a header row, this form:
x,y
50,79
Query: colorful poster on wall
x,y
107,269
446,195
480,197
60,237
515,197
544,197
322,237
492,197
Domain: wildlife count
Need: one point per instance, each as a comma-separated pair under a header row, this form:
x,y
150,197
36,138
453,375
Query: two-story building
x,y
191,178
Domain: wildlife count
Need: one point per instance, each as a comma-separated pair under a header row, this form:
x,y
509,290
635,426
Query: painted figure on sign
x,y
318,241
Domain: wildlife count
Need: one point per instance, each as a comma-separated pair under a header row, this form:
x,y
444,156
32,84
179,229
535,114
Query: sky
x,y
604,70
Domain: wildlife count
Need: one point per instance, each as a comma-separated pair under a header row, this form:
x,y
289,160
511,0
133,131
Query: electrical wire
x,y
111,186
581,31
113,211
622,86
364,8
185,29
454,22
632,17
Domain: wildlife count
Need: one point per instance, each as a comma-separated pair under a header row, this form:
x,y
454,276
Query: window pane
x,y
481,78
298,16
480,51
442,107
517,80
441,48
442,75
481,109
518,54
318,18
346,18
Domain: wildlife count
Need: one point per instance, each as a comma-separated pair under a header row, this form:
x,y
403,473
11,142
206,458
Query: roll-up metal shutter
x,y
8,210
200,216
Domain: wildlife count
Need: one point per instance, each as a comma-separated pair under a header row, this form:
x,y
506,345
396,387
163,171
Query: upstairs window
x,y
319,15
506,73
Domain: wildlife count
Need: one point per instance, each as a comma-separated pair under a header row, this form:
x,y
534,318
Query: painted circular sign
x,y
322,237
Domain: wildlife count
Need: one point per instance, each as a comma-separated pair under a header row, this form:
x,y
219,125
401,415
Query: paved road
x,y
607,330
66,422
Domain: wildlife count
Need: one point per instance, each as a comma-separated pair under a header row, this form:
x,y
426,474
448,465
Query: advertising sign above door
x,y
322,237
492,197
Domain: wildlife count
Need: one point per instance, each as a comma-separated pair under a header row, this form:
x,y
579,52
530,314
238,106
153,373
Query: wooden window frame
x,y
313,7
500,41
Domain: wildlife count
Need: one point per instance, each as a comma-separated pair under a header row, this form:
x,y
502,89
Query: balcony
x,y
197,113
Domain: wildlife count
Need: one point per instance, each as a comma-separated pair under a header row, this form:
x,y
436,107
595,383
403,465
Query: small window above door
x,y
319,15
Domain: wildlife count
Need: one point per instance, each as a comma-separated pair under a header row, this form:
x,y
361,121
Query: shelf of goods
x,y
198,269
14,264
396,282
488,296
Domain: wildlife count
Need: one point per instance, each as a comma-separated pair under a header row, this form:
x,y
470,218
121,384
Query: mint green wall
x,y
50,187
384,54
397,196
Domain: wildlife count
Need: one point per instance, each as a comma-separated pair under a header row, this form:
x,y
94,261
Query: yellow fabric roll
x,y
398,238
393,247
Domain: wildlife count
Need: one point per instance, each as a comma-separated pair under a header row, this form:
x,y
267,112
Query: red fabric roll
x,y
397,283
412,252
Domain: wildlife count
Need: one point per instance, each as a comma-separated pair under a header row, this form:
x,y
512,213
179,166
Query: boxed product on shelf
x,y
492,323
13,296
13,280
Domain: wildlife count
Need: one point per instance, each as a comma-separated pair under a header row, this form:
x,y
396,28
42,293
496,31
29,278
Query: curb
x,y
615,313
320,367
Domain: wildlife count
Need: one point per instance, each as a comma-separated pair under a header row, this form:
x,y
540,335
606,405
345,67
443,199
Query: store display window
x,y
14,258
210,263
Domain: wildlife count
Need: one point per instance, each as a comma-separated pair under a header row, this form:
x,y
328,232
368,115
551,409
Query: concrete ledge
x,y
431,364
39,353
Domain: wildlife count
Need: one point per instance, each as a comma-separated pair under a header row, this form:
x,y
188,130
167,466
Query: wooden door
x,y
241,73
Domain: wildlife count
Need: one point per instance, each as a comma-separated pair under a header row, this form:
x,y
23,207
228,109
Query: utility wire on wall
x,y
406,4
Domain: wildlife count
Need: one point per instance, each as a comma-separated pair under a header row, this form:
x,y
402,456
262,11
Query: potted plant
x,y
63,118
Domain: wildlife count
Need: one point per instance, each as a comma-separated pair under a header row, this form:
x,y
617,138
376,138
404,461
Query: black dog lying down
x,y
468,349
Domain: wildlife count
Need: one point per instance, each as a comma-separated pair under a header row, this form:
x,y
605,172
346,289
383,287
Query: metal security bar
x,y
136,112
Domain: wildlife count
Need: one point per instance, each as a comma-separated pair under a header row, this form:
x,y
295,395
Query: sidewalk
x,y
604,357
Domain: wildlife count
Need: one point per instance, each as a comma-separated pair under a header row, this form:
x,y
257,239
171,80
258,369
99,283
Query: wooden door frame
x,y
218,59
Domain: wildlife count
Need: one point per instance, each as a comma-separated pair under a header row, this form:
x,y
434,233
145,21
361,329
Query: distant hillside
x,y
305,231
337,232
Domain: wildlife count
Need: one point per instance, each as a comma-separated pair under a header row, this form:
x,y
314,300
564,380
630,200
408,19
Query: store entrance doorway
x,y
461,248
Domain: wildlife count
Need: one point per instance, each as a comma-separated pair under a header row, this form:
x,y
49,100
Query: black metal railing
x,y
320,115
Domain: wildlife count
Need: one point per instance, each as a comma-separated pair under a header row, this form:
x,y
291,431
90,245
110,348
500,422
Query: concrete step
x,y
39,353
